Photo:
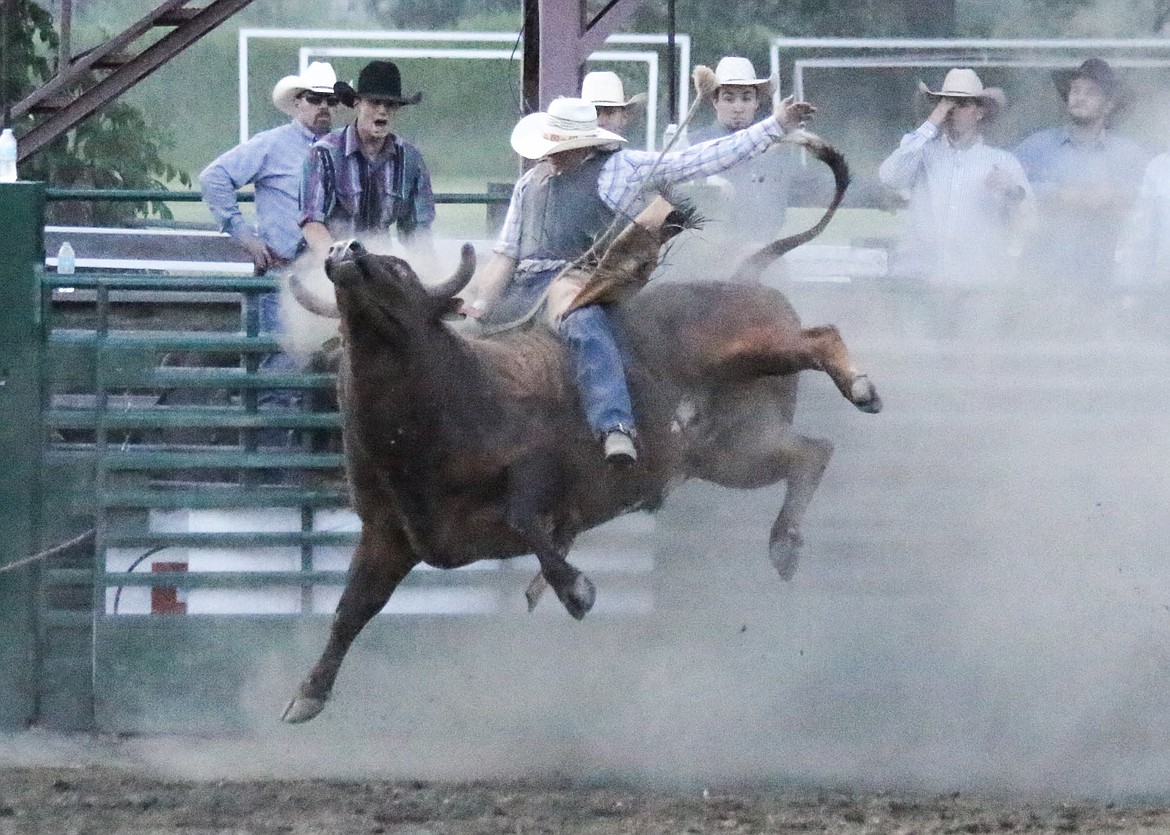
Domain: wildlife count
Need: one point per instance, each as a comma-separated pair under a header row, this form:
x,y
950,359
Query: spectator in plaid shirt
x,y
365,178
561,206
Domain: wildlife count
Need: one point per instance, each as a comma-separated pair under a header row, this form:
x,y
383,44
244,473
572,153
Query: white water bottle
x,y
7,156
66,259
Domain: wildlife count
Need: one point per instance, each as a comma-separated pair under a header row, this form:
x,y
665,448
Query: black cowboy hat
x,y
378,79
1095,69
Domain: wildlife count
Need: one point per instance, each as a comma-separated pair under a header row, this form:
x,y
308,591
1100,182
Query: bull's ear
x,y
449,309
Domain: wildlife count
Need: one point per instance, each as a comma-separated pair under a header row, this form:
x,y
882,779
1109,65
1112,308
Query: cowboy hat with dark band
x,y
1094,69
377,80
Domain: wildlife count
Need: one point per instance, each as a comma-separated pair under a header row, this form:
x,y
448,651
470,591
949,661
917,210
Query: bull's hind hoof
x,y
579,597
784,552
864,396
302,709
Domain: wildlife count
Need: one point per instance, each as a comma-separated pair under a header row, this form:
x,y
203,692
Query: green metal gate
x,y
132,436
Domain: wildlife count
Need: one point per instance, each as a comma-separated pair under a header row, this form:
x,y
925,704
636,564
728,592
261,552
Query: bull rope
x,y
83,538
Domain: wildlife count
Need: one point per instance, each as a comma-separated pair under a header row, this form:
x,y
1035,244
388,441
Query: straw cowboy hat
x,y
1095,69
379,80
318,77
604,89
568,124
965,84
734,71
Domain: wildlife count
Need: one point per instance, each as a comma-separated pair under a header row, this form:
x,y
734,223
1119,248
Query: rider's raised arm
x,y
629,173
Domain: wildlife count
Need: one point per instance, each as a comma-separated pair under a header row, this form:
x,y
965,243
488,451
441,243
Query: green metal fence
x,y
144,415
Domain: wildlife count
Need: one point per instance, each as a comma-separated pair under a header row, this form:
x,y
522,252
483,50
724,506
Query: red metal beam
x,y
559,38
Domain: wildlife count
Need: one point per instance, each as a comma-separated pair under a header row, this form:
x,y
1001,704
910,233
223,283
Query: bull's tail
x,y
753,267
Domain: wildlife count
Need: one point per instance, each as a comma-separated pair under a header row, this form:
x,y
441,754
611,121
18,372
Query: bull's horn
x,y
461,277
310,301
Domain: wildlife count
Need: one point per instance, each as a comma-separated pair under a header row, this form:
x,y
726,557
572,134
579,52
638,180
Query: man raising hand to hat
x,y
585,185
272,161
365,178
964,194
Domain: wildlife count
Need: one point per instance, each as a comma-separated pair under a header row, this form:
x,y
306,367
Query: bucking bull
x,y
465,448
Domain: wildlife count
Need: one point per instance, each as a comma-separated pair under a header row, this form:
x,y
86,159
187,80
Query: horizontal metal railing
x,y
161,195
108,400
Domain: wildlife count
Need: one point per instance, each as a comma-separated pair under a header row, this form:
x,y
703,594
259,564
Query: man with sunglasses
x,y
365,178
272,161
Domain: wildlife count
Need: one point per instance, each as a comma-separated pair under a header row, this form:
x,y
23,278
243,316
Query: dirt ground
x,y
97,799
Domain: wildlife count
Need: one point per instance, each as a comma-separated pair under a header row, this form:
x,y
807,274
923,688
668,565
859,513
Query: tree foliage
x,y
115,148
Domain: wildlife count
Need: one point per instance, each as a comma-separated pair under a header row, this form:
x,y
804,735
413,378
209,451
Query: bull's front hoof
x,y
301,709
535,590
864,396
579,597
784,552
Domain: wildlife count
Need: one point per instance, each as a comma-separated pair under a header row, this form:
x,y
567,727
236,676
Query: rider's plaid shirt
x,y
630,177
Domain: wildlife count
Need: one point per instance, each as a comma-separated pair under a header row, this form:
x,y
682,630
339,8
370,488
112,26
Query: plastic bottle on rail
x,y
7,156
66,259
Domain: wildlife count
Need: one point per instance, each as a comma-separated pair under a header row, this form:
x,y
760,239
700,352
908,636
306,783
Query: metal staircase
x,y
92,79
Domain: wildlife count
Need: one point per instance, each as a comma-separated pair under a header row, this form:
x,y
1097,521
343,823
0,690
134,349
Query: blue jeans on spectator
x,y
269,310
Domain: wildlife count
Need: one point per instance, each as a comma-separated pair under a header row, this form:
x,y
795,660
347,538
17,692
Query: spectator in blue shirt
x,y
272,162
1085,177
748,204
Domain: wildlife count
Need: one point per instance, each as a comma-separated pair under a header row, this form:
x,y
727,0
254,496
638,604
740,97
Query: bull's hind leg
x,y
806,459
745,440
381,560
832,357
810,349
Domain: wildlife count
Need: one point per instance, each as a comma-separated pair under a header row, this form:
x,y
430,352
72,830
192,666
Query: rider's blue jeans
x,y
600,371
593,346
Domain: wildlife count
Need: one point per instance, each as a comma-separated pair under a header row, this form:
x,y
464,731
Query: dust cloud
x,y
982,605
983,602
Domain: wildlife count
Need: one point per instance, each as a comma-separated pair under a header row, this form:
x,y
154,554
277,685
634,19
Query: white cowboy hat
x,y
317,77
568,124
965,84
734,71
604,89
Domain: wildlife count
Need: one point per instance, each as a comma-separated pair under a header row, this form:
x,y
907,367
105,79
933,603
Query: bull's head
x,y
383,289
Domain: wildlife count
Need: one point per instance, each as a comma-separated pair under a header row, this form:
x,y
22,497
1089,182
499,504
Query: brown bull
x,y
461,449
